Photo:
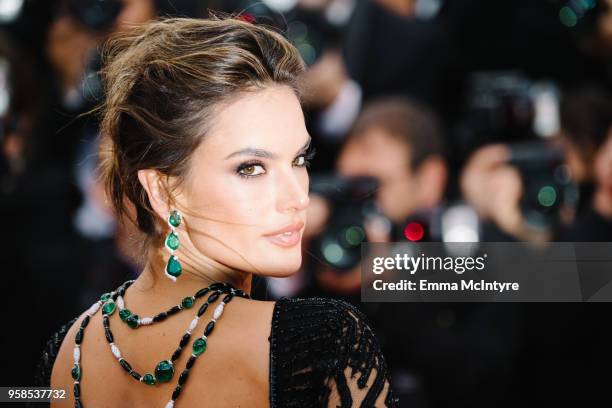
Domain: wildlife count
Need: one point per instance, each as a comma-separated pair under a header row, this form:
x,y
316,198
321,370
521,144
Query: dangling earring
x,y
173,267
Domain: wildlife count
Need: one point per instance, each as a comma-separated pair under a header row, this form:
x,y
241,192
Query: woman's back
x,y
233,371
293,353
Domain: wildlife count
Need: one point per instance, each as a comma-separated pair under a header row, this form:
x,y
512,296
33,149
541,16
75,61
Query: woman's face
x,y
247,181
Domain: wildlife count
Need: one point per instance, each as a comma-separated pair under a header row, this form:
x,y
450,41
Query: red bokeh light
x,y
414,231
248,17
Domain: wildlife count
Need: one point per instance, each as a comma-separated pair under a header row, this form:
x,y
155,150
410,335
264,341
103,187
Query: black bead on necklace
x,y
164,370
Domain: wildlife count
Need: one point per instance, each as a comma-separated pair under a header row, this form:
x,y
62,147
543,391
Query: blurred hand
x,y
494,188
377,229
324,80
68,49
506,190
404,8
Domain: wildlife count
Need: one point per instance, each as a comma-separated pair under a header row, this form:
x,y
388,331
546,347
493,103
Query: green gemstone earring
x,y
173,267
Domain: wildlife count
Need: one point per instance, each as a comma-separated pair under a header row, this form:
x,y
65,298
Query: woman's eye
x,y
300,161
251,170
304,160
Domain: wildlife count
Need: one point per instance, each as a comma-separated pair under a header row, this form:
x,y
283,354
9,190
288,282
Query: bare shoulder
x,y
60,377
240,349
253,320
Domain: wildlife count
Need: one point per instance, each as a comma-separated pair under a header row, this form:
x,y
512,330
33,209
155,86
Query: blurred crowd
x,y
433,120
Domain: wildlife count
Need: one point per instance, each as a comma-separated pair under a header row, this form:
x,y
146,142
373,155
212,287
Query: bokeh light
x,y
333,252
354,235
547,196
568,16
414,231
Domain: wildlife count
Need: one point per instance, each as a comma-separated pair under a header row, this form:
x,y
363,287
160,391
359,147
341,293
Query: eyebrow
x,y
252,151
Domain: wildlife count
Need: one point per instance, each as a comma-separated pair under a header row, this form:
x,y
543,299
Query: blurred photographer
x,y
397,142
587,134
494,186
19,105
491,185
46,153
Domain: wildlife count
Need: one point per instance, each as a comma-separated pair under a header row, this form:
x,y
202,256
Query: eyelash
x,y
308,156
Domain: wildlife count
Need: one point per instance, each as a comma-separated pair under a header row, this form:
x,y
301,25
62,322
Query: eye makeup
x,y
308,155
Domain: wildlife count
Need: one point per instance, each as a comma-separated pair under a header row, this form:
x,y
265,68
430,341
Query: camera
x,y
351,201
546,181
96,15
507,107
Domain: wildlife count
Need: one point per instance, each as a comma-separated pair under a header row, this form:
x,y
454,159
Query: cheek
x,y
396,198
304,179
239,197
230,210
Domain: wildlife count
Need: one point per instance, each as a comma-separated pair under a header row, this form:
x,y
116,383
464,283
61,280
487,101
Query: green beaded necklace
x,y
134,321
164,370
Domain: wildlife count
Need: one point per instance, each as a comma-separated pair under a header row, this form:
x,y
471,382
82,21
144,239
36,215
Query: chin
x,y
277,260
283,266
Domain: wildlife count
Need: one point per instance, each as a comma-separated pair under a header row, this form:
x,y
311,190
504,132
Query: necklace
x,y
165,369
134,321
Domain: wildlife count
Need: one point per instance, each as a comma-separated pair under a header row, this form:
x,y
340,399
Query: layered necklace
x,y
165,369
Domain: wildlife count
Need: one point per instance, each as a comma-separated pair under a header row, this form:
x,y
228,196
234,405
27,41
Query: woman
x,y
207,145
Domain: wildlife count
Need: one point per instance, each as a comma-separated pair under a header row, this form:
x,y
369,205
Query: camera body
x,y
351,201
96,15
546,181
507,107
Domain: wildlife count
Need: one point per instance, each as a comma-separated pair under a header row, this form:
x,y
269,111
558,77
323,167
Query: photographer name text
x,y
463,285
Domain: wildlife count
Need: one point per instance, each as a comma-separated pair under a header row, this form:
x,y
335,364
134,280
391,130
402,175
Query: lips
x,y
295,227
287,236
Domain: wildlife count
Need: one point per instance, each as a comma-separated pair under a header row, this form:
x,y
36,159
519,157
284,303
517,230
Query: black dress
x,y
312,342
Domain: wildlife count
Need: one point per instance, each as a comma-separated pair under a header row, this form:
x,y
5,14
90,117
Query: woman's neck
x,y
193,277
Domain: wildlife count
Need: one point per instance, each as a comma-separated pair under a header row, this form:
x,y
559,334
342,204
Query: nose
x,y
293,192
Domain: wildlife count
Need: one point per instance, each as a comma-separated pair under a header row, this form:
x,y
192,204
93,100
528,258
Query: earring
x,y
173,267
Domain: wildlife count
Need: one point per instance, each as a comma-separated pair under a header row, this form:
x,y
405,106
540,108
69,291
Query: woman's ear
x,y
152,182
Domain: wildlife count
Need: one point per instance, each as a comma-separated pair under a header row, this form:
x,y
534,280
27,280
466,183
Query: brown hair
x,y
162,81
586,118
409,121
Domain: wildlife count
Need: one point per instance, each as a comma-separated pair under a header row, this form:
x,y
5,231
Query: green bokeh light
x,y
568,17
354,235
547,196
308,52
583,4
333,253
